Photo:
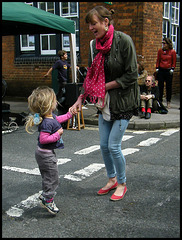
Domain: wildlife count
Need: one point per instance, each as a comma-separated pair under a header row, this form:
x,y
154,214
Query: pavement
x,y
157,121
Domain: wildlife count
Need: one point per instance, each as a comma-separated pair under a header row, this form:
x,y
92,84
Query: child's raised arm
x,y
64,117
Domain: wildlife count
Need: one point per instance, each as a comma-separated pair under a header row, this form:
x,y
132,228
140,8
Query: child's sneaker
x,y
51,206
41,197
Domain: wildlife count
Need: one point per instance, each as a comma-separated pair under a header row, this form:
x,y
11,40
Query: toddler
x,y
42,102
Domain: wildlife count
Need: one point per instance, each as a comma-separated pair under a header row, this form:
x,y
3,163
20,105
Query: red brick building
x,y
143,21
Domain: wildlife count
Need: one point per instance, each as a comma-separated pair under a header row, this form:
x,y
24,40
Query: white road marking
x,y
139,132
30,202
97,147
149,142
34,171
63,160
85,172
73,178
128,151
88,150
169,132
15,212
126,137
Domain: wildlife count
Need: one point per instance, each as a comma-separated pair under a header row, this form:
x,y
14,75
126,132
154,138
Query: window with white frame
x,y
171,14
165,28
47,41
166,10
174,23
47,6
27,42
175,13
48,44
70,10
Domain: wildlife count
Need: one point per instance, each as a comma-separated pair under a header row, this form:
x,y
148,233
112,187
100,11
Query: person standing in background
x,y
62,66
165,65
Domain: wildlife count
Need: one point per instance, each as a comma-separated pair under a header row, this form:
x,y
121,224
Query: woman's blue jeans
x,y
111,134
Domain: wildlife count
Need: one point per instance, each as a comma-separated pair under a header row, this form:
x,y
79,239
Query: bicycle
x,y
8,123
9,126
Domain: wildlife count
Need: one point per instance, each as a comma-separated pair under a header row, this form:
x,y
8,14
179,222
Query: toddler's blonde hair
x,y
41,102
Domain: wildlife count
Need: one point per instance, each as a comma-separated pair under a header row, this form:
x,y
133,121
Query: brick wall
x,y
176,78
137,19
22,75
152,33
141,20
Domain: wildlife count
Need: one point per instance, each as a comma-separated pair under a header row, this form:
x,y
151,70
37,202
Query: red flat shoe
x,y
102,192
116,198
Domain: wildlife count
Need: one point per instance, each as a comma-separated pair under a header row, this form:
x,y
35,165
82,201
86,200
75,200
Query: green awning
x,y
20,18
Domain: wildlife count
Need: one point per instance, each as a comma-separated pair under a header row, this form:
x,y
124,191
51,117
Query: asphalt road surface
x,y
150,208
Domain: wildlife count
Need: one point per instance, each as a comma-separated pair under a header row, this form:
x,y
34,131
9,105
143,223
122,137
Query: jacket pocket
x,y
124,100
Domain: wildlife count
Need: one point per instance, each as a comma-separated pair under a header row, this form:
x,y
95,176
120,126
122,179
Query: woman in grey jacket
x,y
111,83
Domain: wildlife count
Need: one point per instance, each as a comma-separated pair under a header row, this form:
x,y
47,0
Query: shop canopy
x,y
20,18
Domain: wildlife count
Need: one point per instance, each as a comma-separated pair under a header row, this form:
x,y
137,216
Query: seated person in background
x,y
149,94
142,73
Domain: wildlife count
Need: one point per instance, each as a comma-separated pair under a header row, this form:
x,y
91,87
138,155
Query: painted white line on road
x,y
169,132
88,150
30,202
63,160
149,142
126,137
85,172
15,212
34,171
139,132
128,151
73,178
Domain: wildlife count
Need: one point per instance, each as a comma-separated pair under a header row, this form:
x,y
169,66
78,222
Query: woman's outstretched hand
x,y
77,106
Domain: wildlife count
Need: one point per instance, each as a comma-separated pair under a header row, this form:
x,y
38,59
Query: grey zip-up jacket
x,y
122,65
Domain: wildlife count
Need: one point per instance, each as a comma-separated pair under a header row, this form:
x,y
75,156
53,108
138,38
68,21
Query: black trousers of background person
x,y
164,75
61,92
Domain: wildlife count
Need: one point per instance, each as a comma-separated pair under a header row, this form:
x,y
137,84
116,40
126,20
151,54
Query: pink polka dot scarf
x,y
94,84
